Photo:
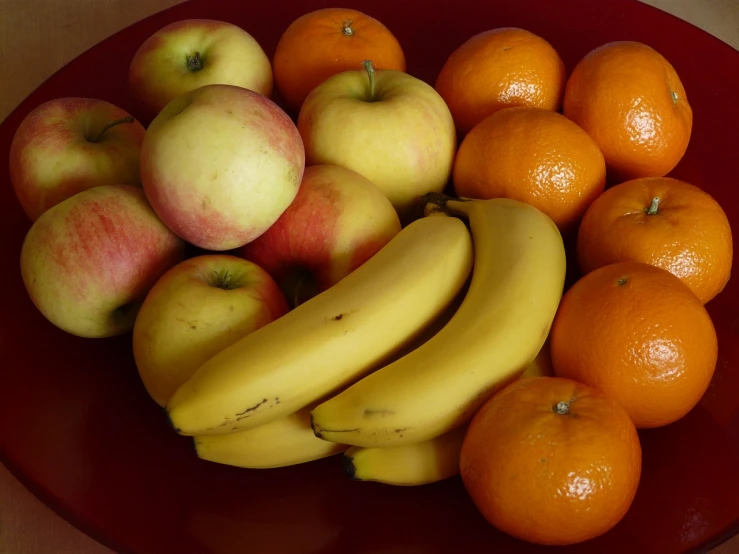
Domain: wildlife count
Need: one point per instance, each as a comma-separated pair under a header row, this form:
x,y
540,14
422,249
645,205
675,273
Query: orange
x,y
632,102
551,461
535,156
638,333
499,69
664,222
324,42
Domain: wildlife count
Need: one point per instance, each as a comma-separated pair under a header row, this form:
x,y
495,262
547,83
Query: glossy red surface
x,y
77,426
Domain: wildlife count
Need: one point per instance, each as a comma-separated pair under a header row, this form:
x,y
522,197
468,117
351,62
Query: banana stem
x,y
431,209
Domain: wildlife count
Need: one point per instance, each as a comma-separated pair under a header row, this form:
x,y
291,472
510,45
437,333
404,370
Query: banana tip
x,y
169,420
314,427
350,470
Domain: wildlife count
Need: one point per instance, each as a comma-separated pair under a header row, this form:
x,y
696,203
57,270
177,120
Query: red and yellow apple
x,y
220,164
338,220
68,145
387,125
195,310
88,262
191,53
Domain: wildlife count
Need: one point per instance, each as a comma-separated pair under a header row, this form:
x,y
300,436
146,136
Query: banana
x,y
283,442
501,326
423,462
408,464
542,364
333,339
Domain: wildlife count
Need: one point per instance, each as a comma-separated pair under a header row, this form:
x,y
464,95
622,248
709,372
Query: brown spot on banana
x,y
372,413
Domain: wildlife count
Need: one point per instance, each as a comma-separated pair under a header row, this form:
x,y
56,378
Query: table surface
x,y
37,37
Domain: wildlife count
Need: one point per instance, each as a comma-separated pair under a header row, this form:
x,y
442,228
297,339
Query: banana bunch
x,y
417,463
279,443
501,326
290,440
332,340
390,364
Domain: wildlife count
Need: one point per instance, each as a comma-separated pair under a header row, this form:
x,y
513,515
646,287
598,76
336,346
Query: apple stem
x,y
223,280
347,29
652,209
371,74
127,119
194,62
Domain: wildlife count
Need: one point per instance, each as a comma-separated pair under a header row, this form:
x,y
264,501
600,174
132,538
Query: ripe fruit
x,y
88,262
192,53
333,339
283,442
328,41
638,333
338,220
551,461
536,156
418,463
220,164
498,330
629,98
663,222
390,127
68,145
542,364
498,69
196,309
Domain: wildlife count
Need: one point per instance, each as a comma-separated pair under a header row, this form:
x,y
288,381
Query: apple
x,y
68,145
387,125
220,164
191,53
195,310
88,262
338,220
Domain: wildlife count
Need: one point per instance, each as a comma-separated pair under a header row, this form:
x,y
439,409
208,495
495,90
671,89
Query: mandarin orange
x,y
630,99
664,222
551,461
535,156
638,333
499,69
327,41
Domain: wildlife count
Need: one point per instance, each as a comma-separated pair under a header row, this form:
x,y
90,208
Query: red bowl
x,y
78,428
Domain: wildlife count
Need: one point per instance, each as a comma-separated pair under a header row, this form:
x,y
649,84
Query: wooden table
x,y
37,37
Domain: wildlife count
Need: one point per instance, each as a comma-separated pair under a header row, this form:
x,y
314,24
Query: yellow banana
x,y
427,461
283,442
408,464
542,364
499,329
333,339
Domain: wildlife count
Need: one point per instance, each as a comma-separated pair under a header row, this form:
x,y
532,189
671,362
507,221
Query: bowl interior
x,y
78,428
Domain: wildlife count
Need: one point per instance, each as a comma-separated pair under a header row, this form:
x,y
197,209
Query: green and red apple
x,y
88,262
386,125
338,220
191,53
68,145
198,308
220,164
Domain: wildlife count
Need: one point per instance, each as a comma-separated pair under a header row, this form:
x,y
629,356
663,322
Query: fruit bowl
x,y
78,428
